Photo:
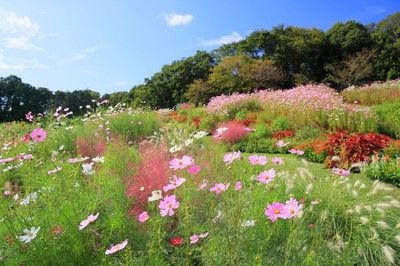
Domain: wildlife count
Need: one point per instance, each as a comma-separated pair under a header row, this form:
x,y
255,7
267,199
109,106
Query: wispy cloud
x,y
174,19
84,53
19,65
21,43
225,39
375,10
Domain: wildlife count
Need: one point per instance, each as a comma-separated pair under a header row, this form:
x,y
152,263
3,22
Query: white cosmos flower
x,y
87,169
29,235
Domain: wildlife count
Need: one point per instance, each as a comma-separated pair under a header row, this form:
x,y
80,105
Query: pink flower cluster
x,y
266,176
174,183
296,152
168,205
219,187
276,210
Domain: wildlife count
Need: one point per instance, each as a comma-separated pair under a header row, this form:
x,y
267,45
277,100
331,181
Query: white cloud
x,y
225,39
174,19
20,65
11,22
21,43
84,53
375,10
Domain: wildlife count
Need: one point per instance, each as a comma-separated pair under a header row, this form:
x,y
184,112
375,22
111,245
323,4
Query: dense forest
x,y
347,54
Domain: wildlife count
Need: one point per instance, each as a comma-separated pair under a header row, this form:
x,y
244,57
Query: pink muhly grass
x,y
151,174
234,132
91,146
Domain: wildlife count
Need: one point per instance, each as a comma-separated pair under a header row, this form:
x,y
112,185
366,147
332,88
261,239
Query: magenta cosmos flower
x,y
276,210
257,160
174,183
266,176
91,218
168,205
238,185
182,163
38,135
194,169
117,247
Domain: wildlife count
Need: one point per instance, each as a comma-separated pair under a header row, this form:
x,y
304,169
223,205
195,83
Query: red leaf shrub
x,y
151,174
283,134
234,133
353,148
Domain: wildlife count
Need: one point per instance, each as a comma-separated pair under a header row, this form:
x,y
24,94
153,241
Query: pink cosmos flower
x,y
297,152
38,135
117,247
280,143
182,163
91,218
275,210
194,169
143,217
29,116
167,205
203,185
219,187
277,160
238,185
292,208
23,157
174,183
257,160
194,239
266,176
6,160
230,157
341,172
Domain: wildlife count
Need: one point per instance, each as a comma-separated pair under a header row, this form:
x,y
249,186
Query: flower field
x,y
296,177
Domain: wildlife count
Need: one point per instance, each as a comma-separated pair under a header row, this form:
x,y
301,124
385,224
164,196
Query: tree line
x,y
347,54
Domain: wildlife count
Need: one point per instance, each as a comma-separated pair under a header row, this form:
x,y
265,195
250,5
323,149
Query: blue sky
x,y
112,45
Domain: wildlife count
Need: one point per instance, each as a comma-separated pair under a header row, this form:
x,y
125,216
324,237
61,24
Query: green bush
x,y
384,170
389,118
281,123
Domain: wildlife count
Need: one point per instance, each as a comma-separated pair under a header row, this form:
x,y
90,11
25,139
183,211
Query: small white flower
x,y
30,234
98,159
199,134
155,195
29,198
188,142
87,169
249,223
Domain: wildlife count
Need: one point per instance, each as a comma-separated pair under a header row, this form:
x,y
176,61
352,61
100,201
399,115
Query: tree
x,y
354,70
199,92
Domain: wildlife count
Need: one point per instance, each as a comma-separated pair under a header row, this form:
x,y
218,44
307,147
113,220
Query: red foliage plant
x,y
196,122
283,134
152,174
354,148
234,133
91,146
